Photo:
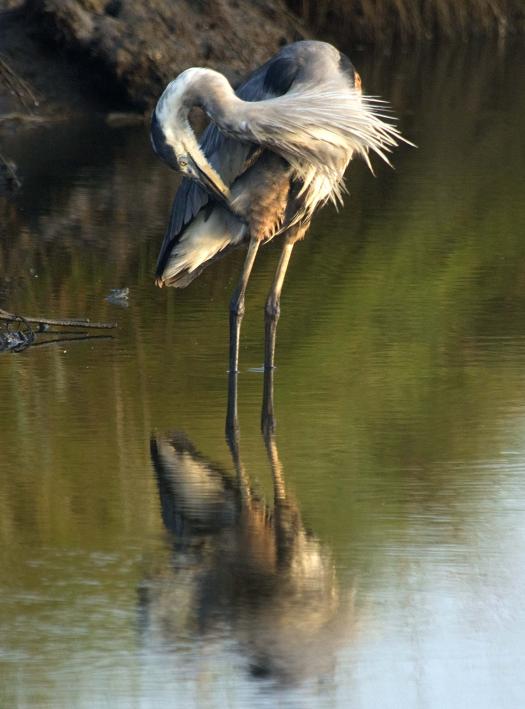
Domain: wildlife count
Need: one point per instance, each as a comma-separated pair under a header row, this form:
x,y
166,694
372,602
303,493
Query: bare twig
x,y
10,169
11,317
18,86
17,340
75,338
31,118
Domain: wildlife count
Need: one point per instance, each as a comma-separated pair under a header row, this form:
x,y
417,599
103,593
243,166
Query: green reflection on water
x,y
398,392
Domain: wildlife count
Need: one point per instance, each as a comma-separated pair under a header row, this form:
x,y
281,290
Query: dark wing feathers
x,y
279,76
192,197
227,155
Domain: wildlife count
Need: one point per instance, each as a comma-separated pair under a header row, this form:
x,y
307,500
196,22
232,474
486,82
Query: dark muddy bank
x,y
102,55
120,55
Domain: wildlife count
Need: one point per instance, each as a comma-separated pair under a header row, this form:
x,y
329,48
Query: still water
x,y
372,554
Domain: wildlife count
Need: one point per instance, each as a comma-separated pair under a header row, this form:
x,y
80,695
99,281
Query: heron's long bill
x,y
211,179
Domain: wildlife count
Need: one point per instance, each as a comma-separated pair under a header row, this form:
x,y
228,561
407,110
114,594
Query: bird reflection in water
x,y
241,567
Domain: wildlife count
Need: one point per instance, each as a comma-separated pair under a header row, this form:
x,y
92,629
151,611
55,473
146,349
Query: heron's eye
x,y
183,163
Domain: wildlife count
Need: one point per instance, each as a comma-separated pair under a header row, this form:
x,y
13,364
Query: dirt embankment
x,y
114,54
80,53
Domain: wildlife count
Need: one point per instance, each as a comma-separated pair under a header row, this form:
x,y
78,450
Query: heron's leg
x,y
236,315
233,440
271,316
232,424
279,488
267,416
272,308
237,304
286,514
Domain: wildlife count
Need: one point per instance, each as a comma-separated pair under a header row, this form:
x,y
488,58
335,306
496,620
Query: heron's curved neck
x,y
211,91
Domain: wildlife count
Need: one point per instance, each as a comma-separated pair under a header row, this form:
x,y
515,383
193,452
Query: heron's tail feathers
x,y
208,237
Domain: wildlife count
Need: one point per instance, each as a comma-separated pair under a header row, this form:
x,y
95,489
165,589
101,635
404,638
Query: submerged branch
x,y
18,334
17,85
11,317
73,338
10,170
16,117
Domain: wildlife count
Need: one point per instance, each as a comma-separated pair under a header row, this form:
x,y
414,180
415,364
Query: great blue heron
x,y
274,152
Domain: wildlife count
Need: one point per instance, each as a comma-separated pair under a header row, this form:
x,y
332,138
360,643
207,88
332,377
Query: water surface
x,y
374,555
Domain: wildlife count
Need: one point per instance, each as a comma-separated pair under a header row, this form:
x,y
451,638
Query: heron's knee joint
x,y
272,308
237,306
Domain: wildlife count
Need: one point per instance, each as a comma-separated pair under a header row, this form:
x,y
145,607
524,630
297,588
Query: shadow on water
x,y
244,564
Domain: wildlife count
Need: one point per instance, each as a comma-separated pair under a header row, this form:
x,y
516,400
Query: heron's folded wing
x,y
229,157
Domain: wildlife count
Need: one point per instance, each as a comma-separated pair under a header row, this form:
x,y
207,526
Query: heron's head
x,y
173,139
